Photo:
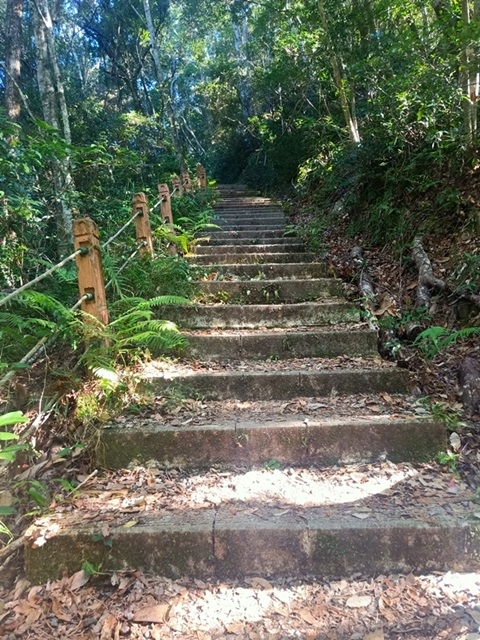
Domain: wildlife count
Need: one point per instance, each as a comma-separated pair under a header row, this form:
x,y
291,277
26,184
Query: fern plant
x,y
132,330
434,339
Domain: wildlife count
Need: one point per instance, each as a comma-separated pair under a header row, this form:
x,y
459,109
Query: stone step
x,y
252,258
253,204
260,227
270,291
271,383
300,440
236,241
281,344
248,234
265,522
267,271
255,316
297,247
274,220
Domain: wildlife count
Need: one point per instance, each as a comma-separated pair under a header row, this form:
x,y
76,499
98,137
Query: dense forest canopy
x,y
368,102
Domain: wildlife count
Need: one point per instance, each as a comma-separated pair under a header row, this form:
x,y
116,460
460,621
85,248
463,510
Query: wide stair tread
x,y
289,522
279,372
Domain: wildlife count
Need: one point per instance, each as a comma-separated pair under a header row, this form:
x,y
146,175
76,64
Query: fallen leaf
x,y
375,635
307,617
78,580
356,602
360,516
108,627
260,583
130,523
157,613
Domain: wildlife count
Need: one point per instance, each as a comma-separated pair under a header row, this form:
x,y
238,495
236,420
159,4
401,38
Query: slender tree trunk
x,y
240,43
44,79
345,94
469,75
13,58
170,111
44,14
56,114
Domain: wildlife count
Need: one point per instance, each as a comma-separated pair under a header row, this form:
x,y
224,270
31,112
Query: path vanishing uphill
x,y
290,448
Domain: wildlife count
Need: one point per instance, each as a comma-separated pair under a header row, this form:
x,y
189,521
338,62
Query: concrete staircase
x,y
281,387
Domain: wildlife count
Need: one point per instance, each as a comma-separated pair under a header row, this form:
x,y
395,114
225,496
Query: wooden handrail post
x,y
89,269
142,223
165,204
166,209
201,176
187,183
177,187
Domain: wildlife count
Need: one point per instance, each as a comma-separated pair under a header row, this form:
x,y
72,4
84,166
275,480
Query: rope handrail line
x,y
30,356
120,269
27,285
156,205
115,236
176,189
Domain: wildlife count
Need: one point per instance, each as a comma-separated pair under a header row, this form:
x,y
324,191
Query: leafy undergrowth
x,y
431,343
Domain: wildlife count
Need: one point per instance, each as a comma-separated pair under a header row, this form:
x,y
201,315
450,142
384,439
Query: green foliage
x,y
131,330
8,452
435,339
449,460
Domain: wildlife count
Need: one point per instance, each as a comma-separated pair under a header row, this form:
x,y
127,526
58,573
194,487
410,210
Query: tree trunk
x,y
174,134
345,93
13,58
469,75
240,43
53,100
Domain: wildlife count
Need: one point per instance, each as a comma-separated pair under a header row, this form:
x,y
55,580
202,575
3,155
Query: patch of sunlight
x,y
226,607
302,487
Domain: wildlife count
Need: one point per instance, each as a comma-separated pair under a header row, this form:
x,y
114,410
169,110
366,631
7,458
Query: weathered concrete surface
x,y
272,291
289,441
252,234
234,542
251,248
283,385
260,227
269,271
282,344
252,258
258,315
173,545
237,241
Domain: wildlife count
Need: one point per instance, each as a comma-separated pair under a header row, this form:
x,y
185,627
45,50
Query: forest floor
x,y
437,606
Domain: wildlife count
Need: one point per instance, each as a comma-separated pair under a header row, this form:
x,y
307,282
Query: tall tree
x,y
13,58
55,112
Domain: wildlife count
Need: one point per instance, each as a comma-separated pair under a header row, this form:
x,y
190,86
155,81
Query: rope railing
x,y
120,231
127,261
88,258
42,276
31,355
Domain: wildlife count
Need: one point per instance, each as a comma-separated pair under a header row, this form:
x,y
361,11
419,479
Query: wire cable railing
x,y
121,230
127,261
93,291
31,355
39,278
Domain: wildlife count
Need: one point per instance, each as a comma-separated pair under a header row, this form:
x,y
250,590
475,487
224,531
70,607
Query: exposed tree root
x,y
469,380
426,280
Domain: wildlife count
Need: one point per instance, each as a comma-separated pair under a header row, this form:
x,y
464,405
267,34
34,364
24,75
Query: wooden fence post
x,y
187,183
89,268
177,187
201,177
165,204
166,208
142,223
